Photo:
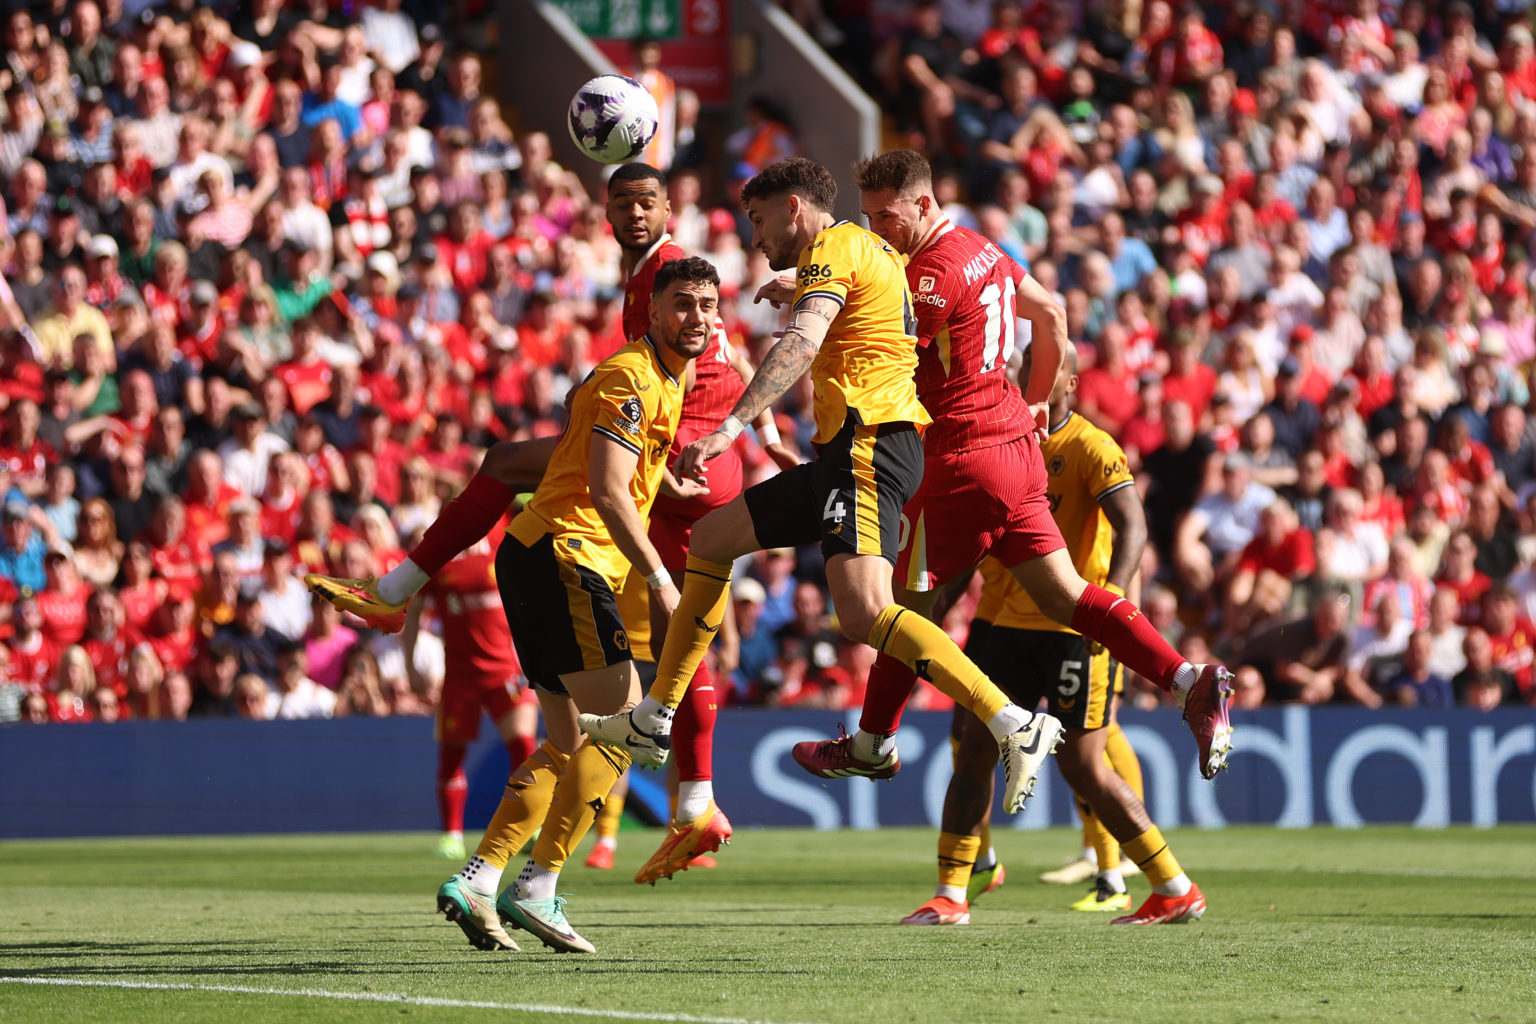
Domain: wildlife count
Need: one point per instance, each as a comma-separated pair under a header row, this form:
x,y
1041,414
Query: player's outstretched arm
x,y
610,468
785,363
783,455
520,464
1128,519
1048,339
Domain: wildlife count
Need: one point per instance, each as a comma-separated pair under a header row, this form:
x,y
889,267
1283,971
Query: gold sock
x,y
1150,851
580,796
607,824
927,650
1105,846
957,855
524,803
700,610
1123,759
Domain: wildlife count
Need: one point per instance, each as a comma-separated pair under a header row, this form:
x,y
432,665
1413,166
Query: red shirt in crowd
x,y
1292,557
1515,652
140,602
308,383
209,520
1469,592
180,562
32,664
64,614
1195,389
1110,398
28,465
110,658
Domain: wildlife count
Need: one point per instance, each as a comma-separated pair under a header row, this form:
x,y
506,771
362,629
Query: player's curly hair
x,y
804,178
691,269
899,171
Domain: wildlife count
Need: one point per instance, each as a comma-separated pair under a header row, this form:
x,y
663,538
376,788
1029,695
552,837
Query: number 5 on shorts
x,y
1071,680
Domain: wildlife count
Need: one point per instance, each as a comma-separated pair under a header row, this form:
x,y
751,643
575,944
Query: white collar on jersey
x,y
643,260
659,361
941,227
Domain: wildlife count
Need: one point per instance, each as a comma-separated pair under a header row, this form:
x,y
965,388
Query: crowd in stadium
x,y
274,275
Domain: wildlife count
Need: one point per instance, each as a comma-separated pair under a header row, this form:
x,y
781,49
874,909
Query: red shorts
x,y
672,519
989,501
458,710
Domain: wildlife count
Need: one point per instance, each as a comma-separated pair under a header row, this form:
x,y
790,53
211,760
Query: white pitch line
x,y
385,997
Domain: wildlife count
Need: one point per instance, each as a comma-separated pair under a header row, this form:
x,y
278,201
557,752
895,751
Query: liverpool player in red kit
x,y
984,483
482,674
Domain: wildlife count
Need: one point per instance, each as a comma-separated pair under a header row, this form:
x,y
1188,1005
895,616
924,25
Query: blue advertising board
x,y
1294,767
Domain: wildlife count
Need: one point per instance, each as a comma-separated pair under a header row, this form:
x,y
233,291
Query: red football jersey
x,y
63,614
32,666
110,658
637,290
963,291
476,639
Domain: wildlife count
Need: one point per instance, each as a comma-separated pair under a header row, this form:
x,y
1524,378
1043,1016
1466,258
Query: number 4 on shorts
x,y
834,509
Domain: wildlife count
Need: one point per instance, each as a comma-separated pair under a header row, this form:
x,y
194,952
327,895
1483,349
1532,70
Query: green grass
x,y
1376,925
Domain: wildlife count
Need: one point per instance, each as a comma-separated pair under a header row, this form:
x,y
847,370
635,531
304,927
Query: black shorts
x,y
563,617
849,497
1076,678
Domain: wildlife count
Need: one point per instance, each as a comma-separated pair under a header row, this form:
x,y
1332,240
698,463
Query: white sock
x,y
873,746
951,892
1178,885
400,584
481,875
1091,855
537,883
693,798
1112,879
985,861
608,842
1008,721
653,717
1183,679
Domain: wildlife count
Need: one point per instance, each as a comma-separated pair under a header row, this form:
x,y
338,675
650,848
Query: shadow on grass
x,y
167,961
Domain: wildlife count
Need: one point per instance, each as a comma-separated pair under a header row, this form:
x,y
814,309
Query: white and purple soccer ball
x,y
612,118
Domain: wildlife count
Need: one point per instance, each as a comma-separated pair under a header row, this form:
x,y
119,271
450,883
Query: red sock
x,y
520,749
1119,625
890,684
462,522
693,729
452,785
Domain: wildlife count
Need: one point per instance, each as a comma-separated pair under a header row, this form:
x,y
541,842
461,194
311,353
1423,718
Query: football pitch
x,y
1382,924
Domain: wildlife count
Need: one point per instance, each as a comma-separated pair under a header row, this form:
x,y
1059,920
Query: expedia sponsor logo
x,y
925,283
931,300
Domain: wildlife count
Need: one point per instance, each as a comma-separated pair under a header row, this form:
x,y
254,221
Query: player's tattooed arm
x,y
783,455
785,363
1128,519
788,360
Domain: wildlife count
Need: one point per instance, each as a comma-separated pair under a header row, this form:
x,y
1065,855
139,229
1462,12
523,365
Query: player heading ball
x,y
853,328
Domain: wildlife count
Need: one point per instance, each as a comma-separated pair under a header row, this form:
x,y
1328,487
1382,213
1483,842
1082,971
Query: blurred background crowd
x,y
274,273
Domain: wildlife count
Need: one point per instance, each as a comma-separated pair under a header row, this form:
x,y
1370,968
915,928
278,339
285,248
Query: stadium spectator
x,y
1241,212
1303,660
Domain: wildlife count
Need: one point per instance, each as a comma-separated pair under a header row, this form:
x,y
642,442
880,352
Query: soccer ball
x,y
612,118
